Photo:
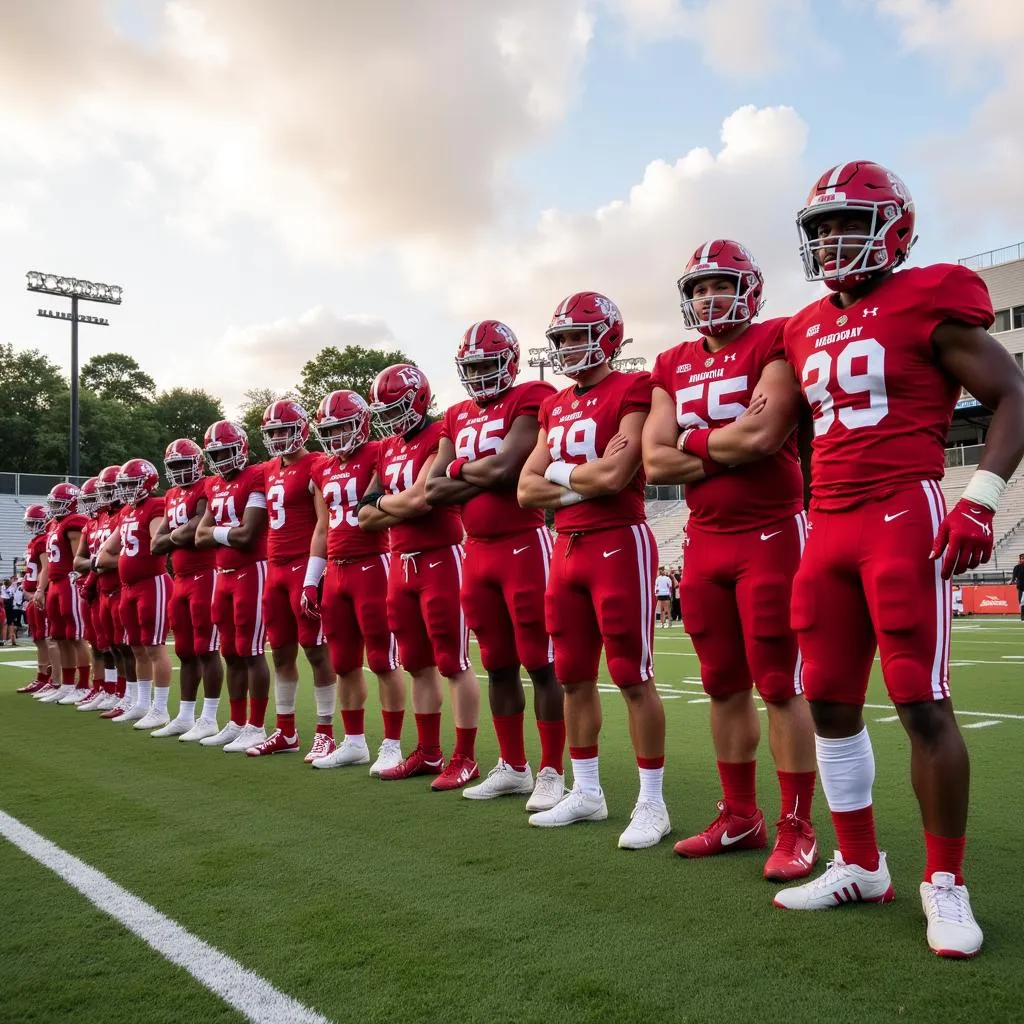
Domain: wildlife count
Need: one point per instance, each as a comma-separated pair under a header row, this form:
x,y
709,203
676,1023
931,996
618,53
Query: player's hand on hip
x,y
966,537
310,603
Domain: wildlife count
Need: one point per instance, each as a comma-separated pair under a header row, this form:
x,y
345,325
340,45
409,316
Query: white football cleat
x,y
250,736
841,883
135,713
952,929
92,703
575,806
322,746
346,753
153,719
58,695
203,729
228,734
648,825
76,696
502,780
42,694
107,702
548,790
389,756
175,727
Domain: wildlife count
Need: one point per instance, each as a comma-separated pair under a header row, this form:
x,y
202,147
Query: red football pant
x,y
601,592
191,615
503,581
282,607
65,615
144,610
35,619
238,610
354,612
735,598
866,580
424,611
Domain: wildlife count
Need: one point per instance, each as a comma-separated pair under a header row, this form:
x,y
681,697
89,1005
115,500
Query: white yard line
x,y
244,990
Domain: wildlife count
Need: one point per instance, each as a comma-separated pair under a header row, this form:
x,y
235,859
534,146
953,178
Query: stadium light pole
x,y
539,358
77,290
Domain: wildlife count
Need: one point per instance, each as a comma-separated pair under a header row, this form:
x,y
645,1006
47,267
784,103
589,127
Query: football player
x,y
235,526
145,590
745,534
35,617
483,447
291,517
353,565
881,361
196,641
424,578
600,593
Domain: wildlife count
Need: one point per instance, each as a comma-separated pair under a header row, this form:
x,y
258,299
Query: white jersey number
x,y
341,503
579,439
130,538
718,410
473,442
858,371
223,511
275,506
399,476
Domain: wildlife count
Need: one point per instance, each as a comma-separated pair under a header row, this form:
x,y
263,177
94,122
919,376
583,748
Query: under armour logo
x,y
869,312
730,357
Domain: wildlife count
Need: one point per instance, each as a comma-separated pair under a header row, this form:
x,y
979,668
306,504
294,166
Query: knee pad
x,y
769,609
801,605
691,610
894,613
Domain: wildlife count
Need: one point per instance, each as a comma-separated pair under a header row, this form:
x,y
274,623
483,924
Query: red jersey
x,y
478,431
291,514
881,402
137,561
60,555
342,483
579,425
93,532
227,502
398,465
181,505
107,523
711,389
34,562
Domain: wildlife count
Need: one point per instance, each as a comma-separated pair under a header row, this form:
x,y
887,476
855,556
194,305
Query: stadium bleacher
x,y
12,529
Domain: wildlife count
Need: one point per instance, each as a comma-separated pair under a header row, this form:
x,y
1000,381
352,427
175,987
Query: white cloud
x,y
634,248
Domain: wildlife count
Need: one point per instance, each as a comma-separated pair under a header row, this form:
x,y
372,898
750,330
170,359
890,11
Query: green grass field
x,y
371,901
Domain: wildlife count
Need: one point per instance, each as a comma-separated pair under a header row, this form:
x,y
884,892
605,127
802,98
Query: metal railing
x,y
964,455
993,257
34,485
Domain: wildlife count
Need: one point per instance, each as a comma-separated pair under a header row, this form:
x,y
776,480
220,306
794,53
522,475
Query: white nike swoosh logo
x,y
977,522
728,840
296,568
367,568
519,551
888,518
768,536
433,565
607,554
808,858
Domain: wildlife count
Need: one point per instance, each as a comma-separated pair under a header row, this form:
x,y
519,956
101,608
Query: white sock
x,y
131,693
186,711
209,712
284,695
110,676
650,784
143,693
585,775
160,695
325,700
846,768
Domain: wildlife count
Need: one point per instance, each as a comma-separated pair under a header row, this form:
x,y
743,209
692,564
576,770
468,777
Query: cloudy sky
x,y
265,178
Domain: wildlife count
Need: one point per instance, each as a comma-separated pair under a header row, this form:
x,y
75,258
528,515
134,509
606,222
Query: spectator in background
x,y
7,596
663,592
958,602
18,602
1018,582
677,575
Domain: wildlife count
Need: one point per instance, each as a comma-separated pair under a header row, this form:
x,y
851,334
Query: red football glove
x,y
966,537
310,603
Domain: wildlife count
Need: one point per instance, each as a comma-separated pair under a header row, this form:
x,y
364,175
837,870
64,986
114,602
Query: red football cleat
x,y
795,852
116,711
726,833
415,764
460,770
275,743
34,687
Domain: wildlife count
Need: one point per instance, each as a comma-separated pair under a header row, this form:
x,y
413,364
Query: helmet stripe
x,y
706,252
833,178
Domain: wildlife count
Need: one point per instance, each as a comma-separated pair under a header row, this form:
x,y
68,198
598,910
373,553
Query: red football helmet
x,y
226,447
62,500
281,416
106,487
35,519
721,258
488,360
88,497
399,398
857,187
183,462
342,423
594,314
137,480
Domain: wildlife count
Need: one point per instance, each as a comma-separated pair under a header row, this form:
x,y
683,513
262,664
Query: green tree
x,y
185,412
32,388
119,377
254,404
353,368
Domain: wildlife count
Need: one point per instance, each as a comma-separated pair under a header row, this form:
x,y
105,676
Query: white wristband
x,y
220,535
314,570
985,488
570,498
559,473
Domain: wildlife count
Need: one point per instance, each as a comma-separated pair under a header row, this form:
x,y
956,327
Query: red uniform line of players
x,y
391,551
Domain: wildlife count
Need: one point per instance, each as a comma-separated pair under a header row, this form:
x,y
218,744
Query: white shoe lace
x,y
645,815
825,882
948,904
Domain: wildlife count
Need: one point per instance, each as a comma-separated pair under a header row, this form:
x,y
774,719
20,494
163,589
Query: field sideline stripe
x,y
254,997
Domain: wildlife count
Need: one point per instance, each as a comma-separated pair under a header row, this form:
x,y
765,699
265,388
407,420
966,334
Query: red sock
x,y
121,686
326,729
354,721
67,676
583,753
258,711
944,854
511,745
237,711
797,793
84,671
97,684
650,763
855,834
48,674
552,745
465,743
428,733
286,723
739,786
393,724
